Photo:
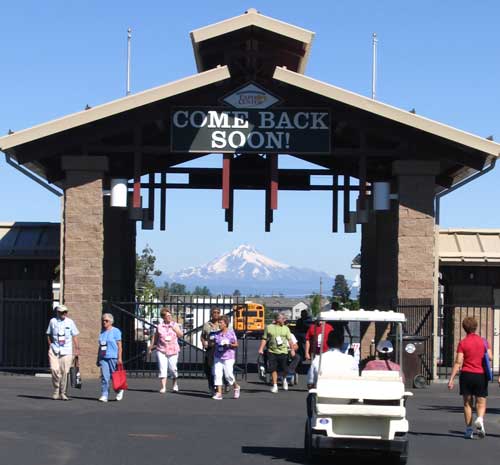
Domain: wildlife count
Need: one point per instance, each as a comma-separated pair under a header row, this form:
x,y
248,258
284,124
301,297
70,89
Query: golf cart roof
x,y
362,315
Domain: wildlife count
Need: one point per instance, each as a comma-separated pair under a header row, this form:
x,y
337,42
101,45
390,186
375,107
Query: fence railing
x,y
450,332
138,320
420,322
23,340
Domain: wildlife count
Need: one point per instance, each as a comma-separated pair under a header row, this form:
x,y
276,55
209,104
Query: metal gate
x,y
25,311
450,332
138,320
419,322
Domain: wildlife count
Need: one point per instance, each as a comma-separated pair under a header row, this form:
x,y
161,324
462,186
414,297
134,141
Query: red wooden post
x,y
274,181
226,180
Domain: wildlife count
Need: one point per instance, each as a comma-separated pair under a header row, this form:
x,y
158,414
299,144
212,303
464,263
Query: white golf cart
x,y
348,411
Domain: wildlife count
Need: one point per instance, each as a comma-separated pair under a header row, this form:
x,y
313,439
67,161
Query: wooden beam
x,y
335,204
226,180
163,201
273,161
347,200
136,198
151,197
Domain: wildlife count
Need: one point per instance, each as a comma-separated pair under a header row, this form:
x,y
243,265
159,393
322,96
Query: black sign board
x,y
223,130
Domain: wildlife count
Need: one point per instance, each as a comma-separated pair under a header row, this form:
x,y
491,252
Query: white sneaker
x,y
285,384
175,387
119,395
274,389
217,396
102,399
479,424
56,395
64,397
163,390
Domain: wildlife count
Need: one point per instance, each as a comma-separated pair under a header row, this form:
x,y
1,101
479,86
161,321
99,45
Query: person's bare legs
x,y
481,406
274,377
468,410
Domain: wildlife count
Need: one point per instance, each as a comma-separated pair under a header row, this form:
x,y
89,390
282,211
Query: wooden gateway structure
x,y
250,101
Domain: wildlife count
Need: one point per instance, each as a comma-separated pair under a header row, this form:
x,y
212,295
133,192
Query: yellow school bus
x,y
248,318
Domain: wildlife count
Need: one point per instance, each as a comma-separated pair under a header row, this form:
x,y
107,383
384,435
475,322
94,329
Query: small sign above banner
x,y
220,130
250,96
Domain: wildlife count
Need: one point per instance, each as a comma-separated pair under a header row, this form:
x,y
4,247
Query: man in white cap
x,y
62,339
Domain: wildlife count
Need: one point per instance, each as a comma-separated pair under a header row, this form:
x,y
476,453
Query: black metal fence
x,y
137,321
420,322
23,324
450,331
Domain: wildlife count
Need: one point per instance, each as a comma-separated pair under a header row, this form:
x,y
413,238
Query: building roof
x,y
29,240
387,111
469,246
114,107
289,39
278,302
243,49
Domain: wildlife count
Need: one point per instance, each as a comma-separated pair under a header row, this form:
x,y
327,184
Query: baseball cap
x,y
385,347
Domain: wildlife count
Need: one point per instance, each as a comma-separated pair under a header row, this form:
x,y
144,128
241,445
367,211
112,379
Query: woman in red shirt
x,y
473,380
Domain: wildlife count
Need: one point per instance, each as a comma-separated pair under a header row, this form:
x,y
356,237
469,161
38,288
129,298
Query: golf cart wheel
x,y
268,378
295,379
400,460
311,405
419,382
308,447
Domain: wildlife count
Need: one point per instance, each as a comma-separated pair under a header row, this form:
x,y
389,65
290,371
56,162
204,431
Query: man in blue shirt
x,y
62,338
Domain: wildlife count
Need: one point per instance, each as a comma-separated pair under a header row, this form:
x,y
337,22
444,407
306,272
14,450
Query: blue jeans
x,y
108,366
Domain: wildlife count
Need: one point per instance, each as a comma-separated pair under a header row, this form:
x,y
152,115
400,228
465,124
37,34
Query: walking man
x,y
278,339
62,338
208,332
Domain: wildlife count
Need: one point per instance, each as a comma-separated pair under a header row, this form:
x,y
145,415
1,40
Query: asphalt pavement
x,y
190,428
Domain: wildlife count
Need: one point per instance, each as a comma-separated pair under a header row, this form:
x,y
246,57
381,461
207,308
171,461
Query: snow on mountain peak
x,y
245,258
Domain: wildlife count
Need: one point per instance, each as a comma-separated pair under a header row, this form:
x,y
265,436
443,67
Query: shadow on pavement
x,y
143,390
36,397
449,434
457,409
290,454
296,455
189,393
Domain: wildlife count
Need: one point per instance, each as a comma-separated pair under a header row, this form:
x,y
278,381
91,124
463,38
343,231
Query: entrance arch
x,y
251,101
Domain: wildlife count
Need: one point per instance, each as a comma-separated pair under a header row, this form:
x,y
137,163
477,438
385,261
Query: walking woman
x,y
473,378
224,357
166,343
109,355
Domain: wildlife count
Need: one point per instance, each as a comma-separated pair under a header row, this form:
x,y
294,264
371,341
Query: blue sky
x,y
441,58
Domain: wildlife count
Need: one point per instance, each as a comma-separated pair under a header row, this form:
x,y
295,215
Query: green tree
x,y
315,304
144,272
201,290
340,289
236,293
178,289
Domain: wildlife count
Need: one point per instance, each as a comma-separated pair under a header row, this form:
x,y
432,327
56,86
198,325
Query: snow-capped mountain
x,y
247,270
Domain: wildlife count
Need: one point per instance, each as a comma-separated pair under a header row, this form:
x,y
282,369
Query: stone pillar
x,y
83,251
416,225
